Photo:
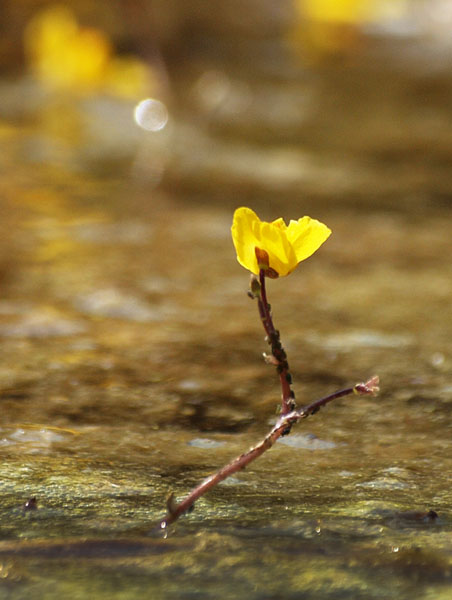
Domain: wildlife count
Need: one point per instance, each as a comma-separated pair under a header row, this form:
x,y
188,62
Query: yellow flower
x,y
275,247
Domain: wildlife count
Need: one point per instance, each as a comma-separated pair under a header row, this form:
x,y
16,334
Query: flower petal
x,y
306,236
274,240
279,223
246,237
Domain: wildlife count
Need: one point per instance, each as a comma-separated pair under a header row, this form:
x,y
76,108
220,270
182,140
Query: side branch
x,y
285,422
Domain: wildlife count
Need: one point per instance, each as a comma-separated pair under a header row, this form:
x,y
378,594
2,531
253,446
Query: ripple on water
x,y
31,440
360,339
205,443
385,483
115,304
306,441
42,324
130,232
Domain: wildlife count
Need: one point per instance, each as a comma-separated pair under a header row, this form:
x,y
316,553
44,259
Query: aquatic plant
x,y
270,250
274,247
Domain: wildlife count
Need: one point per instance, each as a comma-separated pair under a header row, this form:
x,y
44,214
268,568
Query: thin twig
x,y
278,352
284,422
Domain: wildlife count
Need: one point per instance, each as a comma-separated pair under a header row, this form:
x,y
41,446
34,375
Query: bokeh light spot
x,y
151,114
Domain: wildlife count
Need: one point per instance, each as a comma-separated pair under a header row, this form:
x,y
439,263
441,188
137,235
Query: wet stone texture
x,y
131,366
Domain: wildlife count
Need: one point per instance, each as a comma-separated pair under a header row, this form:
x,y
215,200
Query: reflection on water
x,y
131,356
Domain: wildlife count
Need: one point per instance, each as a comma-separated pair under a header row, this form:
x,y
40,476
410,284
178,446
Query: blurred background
x,y
346,100
130,354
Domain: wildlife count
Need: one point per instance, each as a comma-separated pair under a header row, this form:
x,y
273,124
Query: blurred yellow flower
x,y
275,247
63,55
351,11
323,28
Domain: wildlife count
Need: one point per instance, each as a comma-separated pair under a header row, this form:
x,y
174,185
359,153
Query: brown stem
x,y
278,352
284,422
